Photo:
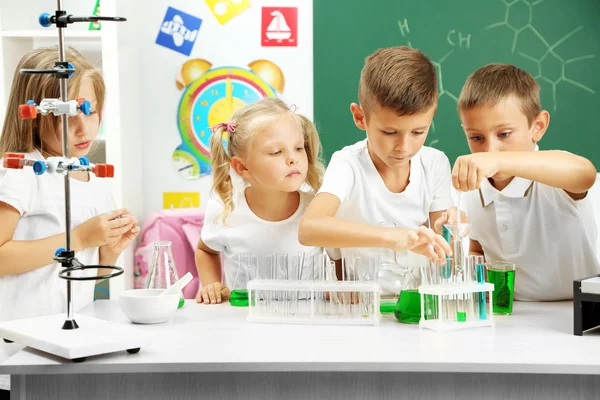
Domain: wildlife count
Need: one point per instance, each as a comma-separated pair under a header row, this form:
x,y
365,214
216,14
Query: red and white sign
x,y
279,26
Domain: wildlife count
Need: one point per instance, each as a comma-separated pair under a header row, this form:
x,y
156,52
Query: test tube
x,y
469,296
474,307
480,268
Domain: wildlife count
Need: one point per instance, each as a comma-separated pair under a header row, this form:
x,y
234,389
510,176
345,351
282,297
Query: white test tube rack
x,y
446,320
314,302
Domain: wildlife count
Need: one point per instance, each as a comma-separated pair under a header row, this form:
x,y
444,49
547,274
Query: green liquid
x,y
504,290
430,307
387,306
239,298
408,309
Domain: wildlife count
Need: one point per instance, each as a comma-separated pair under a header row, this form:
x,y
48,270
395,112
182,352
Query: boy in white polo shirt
x,y
390,176
525,206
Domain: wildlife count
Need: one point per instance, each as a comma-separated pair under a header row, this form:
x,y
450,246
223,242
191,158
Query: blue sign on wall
x,y
179,31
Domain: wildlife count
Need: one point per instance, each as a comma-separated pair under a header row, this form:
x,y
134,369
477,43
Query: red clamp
x,y
104,170
14,160
28,111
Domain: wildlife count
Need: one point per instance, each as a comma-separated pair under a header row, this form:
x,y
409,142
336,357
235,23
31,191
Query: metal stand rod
x,y
65,150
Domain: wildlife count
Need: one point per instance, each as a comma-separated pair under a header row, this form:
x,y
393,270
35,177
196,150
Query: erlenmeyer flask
x,y
246,271
408,307
163,273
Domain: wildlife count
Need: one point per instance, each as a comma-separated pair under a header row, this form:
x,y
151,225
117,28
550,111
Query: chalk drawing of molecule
x,y
550,66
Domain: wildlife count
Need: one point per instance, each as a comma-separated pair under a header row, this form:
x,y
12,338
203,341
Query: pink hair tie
x,y
229,126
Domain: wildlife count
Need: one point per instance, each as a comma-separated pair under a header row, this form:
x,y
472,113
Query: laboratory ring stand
x,y
52,333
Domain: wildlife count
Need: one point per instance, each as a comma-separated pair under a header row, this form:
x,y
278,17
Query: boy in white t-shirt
x,y
525,206
390,176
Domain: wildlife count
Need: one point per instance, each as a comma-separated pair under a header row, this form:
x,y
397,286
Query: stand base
x,y
93,337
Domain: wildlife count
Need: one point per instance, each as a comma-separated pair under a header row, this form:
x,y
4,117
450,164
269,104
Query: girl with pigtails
x,y
276,152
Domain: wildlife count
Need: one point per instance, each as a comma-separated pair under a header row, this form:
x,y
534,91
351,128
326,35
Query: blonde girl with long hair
x,y
276,152
32,207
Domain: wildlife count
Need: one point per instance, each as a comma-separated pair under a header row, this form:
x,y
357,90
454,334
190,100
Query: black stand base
x,y
70,325
586,309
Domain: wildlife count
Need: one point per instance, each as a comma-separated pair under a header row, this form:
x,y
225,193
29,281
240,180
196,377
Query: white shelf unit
x,y
51,33
21,32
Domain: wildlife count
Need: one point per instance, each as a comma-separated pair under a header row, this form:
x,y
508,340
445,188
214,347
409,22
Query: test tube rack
x,y
307,291
440,305
314,302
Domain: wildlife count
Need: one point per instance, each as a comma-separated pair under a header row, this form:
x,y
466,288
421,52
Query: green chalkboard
x,y
557,41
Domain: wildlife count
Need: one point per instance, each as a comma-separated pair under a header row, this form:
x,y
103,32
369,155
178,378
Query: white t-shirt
x,y
245,233
352,177
549,236
40,200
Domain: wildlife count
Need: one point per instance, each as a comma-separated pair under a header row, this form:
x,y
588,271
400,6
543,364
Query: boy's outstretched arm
x,y
567,171
319,227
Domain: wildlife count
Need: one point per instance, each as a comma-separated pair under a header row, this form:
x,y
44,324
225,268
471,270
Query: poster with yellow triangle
x,y
224,10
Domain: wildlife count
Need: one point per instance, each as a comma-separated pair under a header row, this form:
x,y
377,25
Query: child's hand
x,y
470,170
113,249
449,217
424,241
104,229
213,293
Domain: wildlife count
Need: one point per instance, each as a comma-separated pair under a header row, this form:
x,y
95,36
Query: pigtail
x,y
312,144
222,184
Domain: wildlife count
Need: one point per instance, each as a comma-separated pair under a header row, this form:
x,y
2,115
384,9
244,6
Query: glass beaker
x,y
163,273
502,275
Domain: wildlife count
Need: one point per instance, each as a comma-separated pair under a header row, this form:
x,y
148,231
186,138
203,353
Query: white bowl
x,y
145,306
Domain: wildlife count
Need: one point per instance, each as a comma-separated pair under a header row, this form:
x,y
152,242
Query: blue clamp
x,y
58,251
39,167
84,161
71,66
85,107
29,102
44,20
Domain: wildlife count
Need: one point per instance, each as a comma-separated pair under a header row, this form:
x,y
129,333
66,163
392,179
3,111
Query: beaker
x,y
163,273
502,275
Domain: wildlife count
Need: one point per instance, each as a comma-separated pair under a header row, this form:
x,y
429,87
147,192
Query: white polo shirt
x,y
352,177
549,236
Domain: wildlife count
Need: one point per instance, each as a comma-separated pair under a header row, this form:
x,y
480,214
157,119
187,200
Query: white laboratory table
x,y
211,352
